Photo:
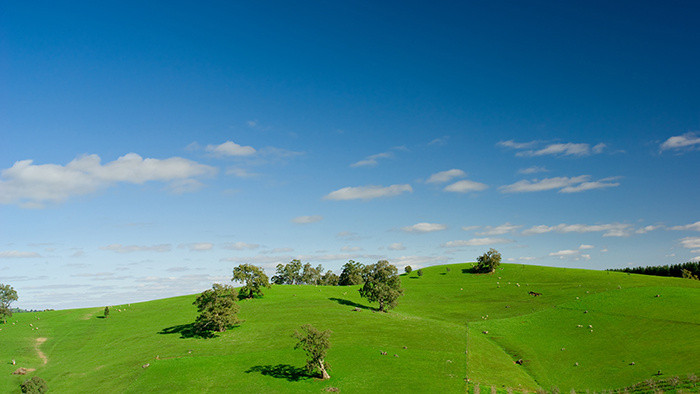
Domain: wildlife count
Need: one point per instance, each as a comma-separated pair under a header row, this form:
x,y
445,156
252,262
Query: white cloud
x,y
499,230
119,248
198,246
466,186
418,261
693,226
610,230
424,228
240,246
516,145
584,247
564,184
33,185
351,249
371,161
367,192
647,229
476,242
446,176
230,148
599,148
470,228
16,254
307,219
439,141
688,140
570,254
691,242
532,170
241,173
396,246
567,149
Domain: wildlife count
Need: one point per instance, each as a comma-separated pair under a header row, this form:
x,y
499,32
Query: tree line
x,y
689,270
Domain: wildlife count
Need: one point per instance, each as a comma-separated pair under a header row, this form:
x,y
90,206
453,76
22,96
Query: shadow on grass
x,y
101,317
350,303
281,371
187,331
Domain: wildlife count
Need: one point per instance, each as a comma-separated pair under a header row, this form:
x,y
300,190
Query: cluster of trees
x,y
294,273
689,270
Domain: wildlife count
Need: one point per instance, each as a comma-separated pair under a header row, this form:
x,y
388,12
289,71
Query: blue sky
x,y
148,149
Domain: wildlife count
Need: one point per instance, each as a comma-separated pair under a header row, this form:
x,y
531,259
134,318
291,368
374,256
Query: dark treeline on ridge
x,y
296,273
686,270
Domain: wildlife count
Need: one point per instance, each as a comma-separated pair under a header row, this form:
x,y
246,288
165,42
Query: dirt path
x,y
41,354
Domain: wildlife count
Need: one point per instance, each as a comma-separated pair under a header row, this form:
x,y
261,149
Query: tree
x,y
420,272
34,385
106,312
351,274
254,279
408,269
488,262
288,274
382,284
217,309
315,343
7,296
311,275
329,279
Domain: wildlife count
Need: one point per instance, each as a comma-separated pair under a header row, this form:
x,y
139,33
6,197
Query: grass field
x,y
436,338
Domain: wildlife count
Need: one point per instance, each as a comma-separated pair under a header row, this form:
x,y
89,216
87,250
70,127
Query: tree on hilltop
x,y
488,262
315,343
288,274
254,279
408,269
382,284
217,309
7,296
351,274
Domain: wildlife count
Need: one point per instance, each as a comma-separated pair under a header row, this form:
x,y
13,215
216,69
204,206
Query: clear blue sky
x,y
147,149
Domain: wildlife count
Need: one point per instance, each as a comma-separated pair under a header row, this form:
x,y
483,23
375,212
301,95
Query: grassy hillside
x,y
441,322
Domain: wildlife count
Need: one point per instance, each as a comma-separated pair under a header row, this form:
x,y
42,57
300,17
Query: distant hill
x,y
587,330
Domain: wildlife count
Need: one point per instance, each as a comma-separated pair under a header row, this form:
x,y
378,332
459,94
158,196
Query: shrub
x,y
408,269
34,385
420,272
106,311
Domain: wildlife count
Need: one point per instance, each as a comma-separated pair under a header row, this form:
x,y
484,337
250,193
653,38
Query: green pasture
x,y
452,329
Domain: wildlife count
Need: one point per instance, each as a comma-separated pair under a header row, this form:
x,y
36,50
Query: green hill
x,y
451,329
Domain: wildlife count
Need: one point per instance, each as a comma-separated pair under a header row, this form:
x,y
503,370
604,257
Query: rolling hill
x,y
588,330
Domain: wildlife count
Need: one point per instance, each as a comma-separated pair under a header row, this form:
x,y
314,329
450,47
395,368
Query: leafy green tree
x,y
351,274
420,272
106,312
329,279
382,284
7,296
254,279
35,385
408,269
288,274
311,275
488,262
315,343
217,309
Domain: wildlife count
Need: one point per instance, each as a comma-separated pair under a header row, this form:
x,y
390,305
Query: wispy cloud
x,y
692,226
439,141
647,229
198,246
368,192
609,230
691,242
555,149
32,185
241,173
689,140
307,219
476,242
230,148
532,170
564,184
16,254
466,186
396,246
499,230
371,161
119,248
424,228
570,254
516,145
446,176
240,246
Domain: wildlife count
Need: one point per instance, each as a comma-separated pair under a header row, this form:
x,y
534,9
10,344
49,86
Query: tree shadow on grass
x,y
187,331
350,303
281,371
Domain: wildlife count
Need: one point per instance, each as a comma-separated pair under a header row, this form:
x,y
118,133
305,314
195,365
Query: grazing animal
x,y
383,353
145,365
485,332
396,355
519,361
534,293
